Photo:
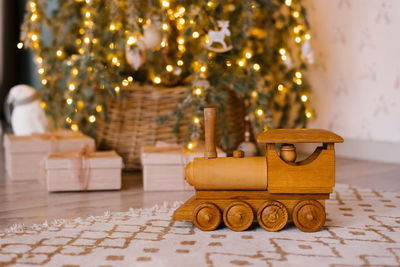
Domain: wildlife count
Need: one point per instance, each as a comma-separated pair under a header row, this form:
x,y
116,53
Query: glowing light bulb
x,y
195,35
131,40
280,87
32,5
248,55
130,79
282,51
179,62
181,48
34,17
34,37
74,71
125,83
112,27
241,63
228,63
74,127
284,57
256,67
92,119
165,3
196,120
115,60
157,80
71,87
210,3
163,43
181,21
69,101
87,14
254,94
304,98
299,81
59,53
44,81
165,26
117,89
39,60
140,20
307,36
68,119
169,68
259,112
198,91
99,108
288,2
20,45
308,114
86,40
297,39
40,71
181,40
296,14
190,145
298,74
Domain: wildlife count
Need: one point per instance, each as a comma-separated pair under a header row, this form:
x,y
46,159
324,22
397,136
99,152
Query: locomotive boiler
x,y
272,190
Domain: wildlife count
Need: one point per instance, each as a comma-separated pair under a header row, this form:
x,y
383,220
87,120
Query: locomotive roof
x,y
298,136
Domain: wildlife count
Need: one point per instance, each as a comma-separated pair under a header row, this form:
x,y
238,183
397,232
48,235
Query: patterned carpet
x,y
362,228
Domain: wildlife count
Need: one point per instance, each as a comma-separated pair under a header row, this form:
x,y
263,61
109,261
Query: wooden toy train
x,y
272,190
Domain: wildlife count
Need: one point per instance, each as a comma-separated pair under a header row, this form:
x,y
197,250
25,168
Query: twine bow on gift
x,y
79,166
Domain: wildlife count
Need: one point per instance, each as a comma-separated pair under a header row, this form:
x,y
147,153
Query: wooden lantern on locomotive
x,y
271,190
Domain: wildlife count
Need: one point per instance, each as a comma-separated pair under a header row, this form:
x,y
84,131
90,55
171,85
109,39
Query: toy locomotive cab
x,y
272,190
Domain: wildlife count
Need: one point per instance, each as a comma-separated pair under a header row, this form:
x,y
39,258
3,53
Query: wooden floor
x,y
29,202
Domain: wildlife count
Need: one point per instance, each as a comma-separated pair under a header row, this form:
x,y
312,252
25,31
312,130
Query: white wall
x,y
356,77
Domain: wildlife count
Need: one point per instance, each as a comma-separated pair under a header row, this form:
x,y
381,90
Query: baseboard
x,y
362,149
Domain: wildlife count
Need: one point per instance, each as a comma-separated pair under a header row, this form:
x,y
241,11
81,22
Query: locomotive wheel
x,y
272,216
238,216
207,216
309,215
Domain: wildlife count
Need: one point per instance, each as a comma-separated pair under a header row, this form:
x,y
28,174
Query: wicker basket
x,y
132,122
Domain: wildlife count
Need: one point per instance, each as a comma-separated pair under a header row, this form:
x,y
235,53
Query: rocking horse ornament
x,y
219,37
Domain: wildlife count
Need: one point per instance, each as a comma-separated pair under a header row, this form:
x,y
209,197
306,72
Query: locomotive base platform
x,y
254,198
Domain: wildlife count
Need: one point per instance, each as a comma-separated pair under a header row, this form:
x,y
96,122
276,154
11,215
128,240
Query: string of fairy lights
x,y
181,34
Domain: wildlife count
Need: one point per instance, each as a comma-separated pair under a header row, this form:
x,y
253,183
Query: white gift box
x,y
24,155
163,167
74,171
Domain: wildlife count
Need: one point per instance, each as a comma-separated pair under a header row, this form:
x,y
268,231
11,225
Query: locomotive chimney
x,y
210,123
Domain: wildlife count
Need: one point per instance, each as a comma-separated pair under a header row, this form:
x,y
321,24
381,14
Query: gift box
x,y
25,154
83,171
163,166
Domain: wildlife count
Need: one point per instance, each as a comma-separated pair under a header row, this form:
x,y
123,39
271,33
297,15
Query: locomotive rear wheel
x,y
238,216
272,216
309,215
207,216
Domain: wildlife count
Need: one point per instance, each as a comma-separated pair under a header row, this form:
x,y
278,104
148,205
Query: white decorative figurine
x,y
219,37
27,116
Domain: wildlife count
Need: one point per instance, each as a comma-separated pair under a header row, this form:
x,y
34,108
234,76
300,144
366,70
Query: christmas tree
x,y
89,50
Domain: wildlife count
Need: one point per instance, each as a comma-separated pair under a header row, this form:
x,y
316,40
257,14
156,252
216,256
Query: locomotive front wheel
x,y
272,216
238,216
206,216
309,215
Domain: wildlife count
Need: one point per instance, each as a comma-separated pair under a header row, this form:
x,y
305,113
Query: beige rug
x,y
362,228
